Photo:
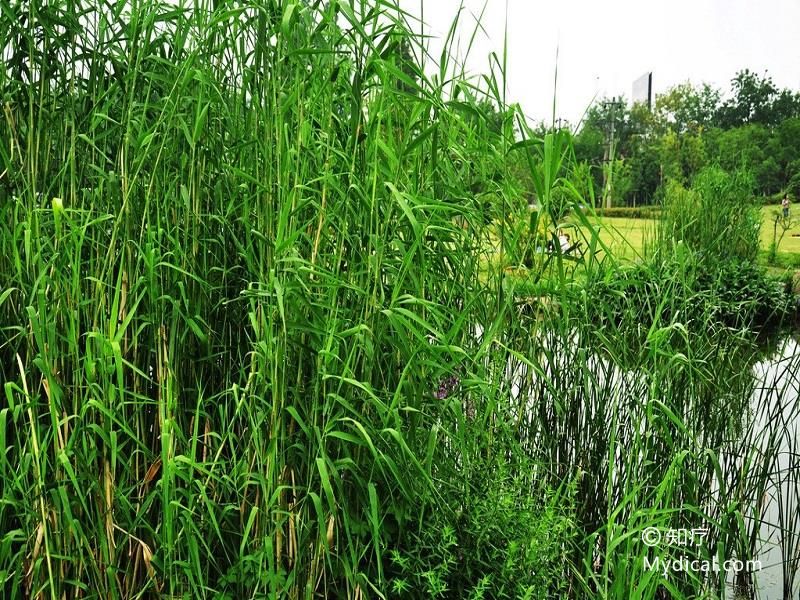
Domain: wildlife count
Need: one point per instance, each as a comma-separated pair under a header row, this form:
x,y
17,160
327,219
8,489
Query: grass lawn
x,y
791,241
626,237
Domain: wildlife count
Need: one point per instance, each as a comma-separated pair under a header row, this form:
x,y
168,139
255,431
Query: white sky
x,y
603,46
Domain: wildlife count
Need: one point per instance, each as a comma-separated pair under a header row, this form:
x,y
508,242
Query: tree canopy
x,y
755,126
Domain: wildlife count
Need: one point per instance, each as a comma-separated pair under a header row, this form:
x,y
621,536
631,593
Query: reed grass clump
x,y
239,255
700,262
257,341
716,217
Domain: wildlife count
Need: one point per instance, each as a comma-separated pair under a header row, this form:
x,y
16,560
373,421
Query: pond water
x,y
776,421
759,450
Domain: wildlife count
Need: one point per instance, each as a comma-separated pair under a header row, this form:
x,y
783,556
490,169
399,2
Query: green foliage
x,y
691,127
793,188
562,188
216,350
245,249
756,99
700,269
743,294
631,212
686,108
621,182
709,237
501,536
716,218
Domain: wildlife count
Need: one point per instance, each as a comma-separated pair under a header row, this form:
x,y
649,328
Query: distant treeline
x,y
757,126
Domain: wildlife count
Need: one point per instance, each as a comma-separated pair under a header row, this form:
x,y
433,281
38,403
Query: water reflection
x,y
570,392
776,433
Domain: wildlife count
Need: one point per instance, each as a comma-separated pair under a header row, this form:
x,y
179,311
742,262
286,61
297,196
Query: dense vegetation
x,y
258,339
757,126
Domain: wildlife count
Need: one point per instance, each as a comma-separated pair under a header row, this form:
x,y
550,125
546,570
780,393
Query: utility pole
x,y
610,106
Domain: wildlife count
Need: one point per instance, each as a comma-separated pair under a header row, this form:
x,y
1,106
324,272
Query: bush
x,y
793,189
744,293
502,536
771,199
732,293
716,218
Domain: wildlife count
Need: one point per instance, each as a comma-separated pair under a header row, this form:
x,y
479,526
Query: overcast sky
x,y
603,46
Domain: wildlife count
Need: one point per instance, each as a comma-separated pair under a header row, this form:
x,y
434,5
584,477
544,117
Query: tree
x,y
757,127
756,99
670,156
685,108
608,132
793,187
739,147
785,147
786,106
645,173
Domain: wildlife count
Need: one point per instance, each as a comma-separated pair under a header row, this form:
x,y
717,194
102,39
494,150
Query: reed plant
x,y
258,341
239,256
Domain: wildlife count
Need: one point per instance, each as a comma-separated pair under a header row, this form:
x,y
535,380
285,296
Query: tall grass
x,y
256,340
233,282
717,216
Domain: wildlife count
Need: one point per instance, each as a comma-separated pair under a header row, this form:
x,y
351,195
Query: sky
x,y
603,46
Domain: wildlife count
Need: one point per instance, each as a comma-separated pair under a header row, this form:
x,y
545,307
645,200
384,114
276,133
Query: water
x,y
759,449
777,423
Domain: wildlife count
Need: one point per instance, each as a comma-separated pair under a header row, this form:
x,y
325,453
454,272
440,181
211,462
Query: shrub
x,y
717,217
731,293
793,189
743,293
502,535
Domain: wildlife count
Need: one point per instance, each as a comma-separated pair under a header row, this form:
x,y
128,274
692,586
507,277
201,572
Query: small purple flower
x,y
446,387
